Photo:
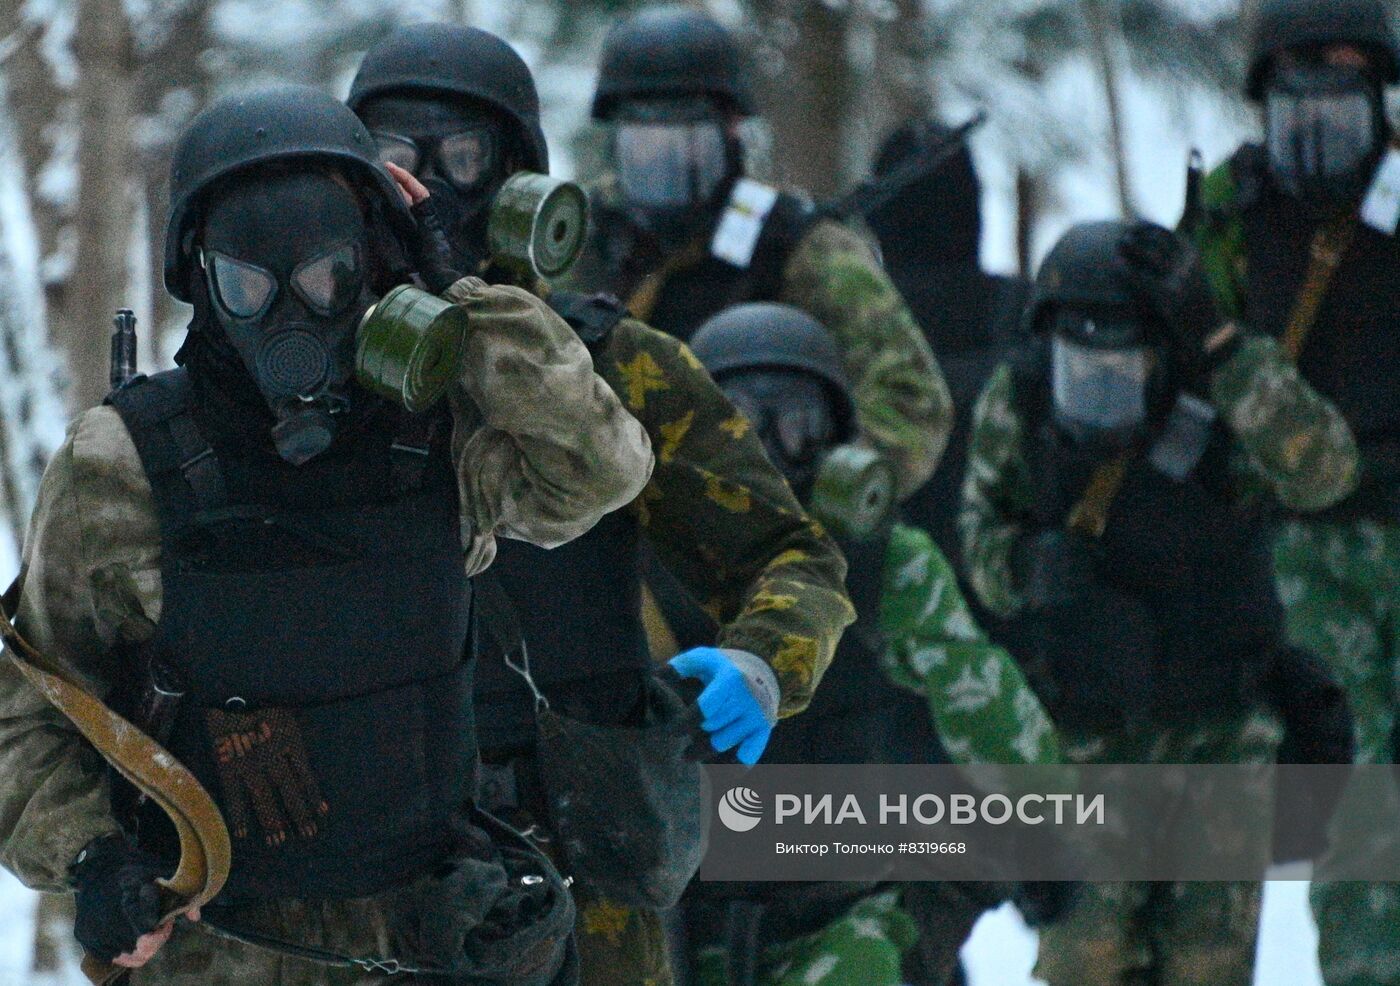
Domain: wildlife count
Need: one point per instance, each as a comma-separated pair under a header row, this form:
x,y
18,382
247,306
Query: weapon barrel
x,y
123,367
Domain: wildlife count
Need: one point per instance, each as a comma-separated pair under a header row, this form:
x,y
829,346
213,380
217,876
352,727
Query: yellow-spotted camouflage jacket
x,y
722,519
834,274
542,449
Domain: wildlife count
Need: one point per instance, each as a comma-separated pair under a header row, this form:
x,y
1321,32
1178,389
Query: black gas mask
x,y
285,261
458,153
675,161
1325,129
1106,379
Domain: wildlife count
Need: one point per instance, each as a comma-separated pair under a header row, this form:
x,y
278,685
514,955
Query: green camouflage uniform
x,y
1337,581
984,712
834,275
1292,441
721,519
542,447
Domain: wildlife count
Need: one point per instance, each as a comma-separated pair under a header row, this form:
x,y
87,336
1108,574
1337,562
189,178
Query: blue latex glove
x,y
739,702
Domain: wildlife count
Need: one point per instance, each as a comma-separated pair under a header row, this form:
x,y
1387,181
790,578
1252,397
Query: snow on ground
x,y
1001,950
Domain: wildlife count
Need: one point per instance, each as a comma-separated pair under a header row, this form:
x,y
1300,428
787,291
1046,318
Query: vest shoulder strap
x,y
787,225
592,316
157,411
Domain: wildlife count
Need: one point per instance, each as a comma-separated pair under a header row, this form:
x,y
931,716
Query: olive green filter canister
x,y
854,492
409,347
537,224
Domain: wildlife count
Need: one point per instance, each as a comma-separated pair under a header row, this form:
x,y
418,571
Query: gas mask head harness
x,y
461,150
675,159
285,257
1324,125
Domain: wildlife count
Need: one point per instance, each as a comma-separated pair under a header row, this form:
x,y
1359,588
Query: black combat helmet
x,y
444,59
667,52
766,336
1085,270
1109,378
278,123
1289,25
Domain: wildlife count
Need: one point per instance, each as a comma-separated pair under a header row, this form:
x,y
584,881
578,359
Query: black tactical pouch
x,y
626,806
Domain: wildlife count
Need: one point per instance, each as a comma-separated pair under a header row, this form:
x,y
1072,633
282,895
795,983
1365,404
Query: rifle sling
x,y
1329,248
1089,516
205,850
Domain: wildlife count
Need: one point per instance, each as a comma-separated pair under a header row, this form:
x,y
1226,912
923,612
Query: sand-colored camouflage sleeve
x,y
543,447
997,496
903,401
90,577
1293,438
982,706
722,519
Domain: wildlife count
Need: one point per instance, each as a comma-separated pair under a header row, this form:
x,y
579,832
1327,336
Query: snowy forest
x,y
1093,108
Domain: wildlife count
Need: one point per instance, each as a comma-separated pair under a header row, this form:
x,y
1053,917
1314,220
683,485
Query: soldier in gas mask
x,y
1102,519
879,703
293,553
680,232
1299,234
716,516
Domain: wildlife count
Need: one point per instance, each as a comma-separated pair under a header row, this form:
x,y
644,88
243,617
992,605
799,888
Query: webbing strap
x,y
1329,248
1089,516
205,851
644,299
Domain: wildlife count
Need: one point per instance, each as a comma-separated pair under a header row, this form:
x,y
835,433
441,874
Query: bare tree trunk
x,y
103,48
1104,33
809,101
38,117
1028,207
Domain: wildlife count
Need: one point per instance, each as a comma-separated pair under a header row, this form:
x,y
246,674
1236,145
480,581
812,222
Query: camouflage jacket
x,y
1287,438
721,518
982,706
542,447
835,275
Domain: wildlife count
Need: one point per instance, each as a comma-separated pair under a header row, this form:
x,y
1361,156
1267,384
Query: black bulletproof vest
x,y
692,295
1201,567
579,607
1352,354
319,617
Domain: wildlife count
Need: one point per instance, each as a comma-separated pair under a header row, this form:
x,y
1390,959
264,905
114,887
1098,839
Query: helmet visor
x,y
670,164
1100,389
1320,125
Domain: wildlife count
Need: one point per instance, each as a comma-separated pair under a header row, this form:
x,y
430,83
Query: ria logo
x,y
740,809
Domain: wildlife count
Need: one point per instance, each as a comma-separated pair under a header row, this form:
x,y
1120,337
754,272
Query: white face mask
x,y
1100,390
671,165
1322,129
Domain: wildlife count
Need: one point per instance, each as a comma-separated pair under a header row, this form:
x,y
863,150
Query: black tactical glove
x,y
433,251
118,900
1055,567
1167,275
